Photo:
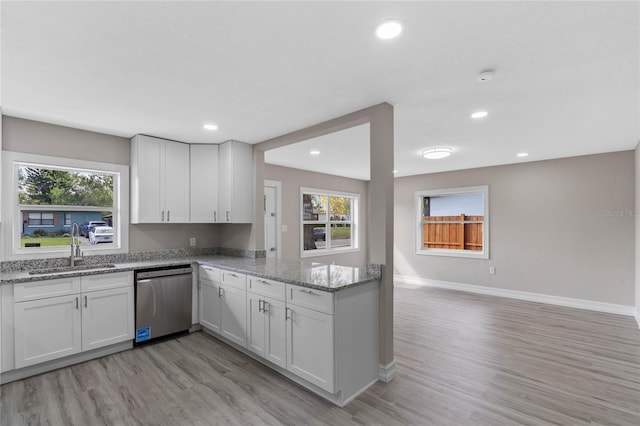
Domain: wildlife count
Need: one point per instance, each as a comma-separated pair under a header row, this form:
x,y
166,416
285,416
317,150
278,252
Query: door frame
x,y
278,205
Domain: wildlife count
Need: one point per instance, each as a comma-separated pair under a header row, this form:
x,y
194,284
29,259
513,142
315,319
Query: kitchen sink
x,y
71,268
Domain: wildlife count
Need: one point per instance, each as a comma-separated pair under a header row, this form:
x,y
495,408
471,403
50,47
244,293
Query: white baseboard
x,y
387,372
610,308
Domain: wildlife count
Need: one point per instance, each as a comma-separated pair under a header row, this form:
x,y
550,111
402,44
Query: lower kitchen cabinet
x,y
107,317
210,304
310,346
266,328
233,314
223,306
47,329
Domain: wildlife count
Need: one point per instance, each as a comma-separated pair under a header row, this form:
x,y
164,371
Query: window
x,y
44,196
453,222
40,219
329,222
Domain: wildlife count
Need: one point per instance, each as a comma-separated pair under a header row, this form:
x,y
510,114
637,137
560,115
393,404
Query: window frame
x,y
355,223
11,247
41,225
419,196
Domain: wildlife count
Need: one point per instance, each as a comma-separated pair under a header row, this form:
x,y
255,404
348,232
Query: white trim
x,y
278,186
387,372
418,196
11,209
637,316
569,302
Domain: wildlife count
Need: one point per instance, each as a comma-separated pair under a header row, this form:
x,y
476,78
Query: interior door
x,y
270,221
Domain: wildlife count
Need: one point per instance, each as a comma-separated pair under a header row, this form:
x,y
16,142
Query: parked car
x,y
319,234
86,228
101,234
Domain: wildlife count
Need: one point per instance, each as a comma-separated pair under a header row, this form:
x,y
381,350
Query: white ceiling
x,y
566,81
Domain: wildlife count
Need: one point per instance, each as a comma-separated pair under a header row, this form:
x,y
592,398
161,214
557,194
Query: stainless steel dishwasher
x,y
163,302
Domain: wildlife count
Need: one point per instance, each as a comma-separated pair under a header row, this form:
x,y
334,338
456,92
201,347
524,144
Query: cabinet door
x,y
147,178
47,329
310,346
242,183
275,342
176,182
225,181
107,317
210,305
255,324
204,184
234,315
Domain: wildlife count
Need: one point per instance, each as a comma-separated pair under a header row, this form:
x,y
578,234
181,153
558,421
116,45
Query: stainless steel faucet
x,y
76,257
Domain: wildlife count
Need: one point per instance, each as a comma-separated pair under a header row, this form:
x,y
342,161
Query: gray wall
x,y
637,217
556,228
292,180
35,137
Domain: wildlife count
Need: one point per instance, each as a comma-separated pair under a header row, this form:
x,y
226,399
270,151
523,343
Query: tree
x,y
40,186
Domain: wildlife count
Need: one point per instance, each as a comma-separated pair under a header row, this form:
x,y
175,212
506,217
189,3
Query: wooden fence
x,y
453,232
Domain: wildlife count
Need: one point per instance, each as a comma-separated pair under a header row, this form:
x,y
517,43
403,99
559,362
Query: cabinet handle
x,y
220,293
76,303
264,306
85,301
233,275
264,282
308,292
215,216
286,314
260,305
162,219
227,215
168,215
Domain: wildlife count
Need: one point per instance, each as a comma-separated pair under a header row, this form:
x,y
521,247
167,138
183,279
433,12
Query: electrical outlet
x,y
492,269
192,241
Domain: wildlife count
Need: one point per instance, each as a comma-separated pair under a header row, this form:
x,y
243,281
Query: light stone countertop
x,y
315,275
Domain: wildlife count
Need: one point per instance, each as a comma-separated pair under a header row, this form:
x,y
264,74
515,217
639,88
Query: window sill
x,y
330,252
454,253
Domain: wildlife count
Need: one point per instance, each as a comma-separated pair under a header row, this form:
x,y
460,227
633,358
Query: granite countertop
x,y
315,275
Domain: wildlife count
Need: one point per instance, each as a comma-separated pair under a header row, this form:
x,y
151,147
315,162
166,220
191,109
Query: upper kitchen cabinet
x,y
159,180
235,174
204,184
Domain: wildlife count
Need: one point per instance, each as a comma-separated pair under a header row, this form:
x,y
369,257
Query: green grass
x,y
341,233
47,241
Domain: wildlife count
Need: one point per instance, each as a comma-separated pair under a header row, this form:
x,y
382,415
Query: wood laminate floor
x,y
462,359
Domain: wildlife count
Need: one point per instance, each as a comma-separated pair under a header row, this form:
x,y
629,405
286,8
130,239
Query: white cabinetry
x,y
223,307
266,328
57,318
310,339
204,183
235,177
159,180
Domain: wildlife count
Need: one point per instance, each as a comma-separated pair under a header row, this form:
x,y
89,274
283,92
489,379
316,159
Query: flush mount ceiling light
x,y
391,28
522,154
479,114
437,152
395,171
314,152
210,127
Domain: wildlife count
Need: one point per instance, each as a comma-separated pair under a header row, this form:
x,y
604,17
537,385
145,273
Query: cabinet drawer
x,y
44,289
107,281
317,300
234,279
210,273
266,287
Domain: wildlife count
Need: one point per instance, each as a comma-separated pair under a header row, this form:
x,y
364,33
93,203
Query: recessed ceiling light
x,y
389,29
479,114
314,152
210,127
437,152
522,154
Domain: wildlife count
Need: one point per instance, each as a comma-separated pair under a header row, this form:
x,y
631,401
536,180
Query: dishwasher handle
x,y
164,273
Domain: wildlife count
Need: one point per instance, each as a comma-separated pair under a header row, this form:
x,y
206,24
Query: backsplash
x,y
55,262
